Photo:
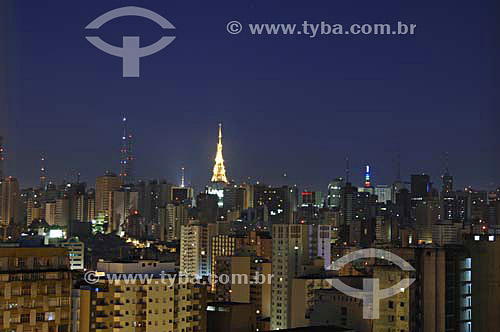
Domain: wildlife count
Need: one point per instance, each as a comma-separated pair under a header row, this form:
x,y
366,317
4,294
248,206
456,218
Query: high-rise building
x,y
76,252
427,215
50,213
35,289
332,307
334,189
303,290
219,172
105,185
234,197
294,248
420,186
281,203
127,158
82,211
62,212
481,281
347,203
91,215
160,304
477,205
454,206
383,193
10,201
171,218
223,245
182,194
196,249
447,182
123,203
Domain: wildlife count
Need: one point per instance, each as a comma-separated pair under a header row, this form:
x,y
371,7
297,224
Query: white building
x,y
136,266
76,252
446,233
384,193
196,249
294,248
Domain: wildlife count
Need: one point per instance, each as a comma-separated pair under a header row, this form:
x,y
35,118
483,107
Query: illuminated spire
x,y
367,177
1,158
219,174
43,173
182,177
347,170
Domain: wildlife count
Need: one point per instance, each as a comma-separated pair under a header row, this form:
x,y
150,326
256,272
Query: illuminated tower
x,y
367,177
219,174
43,175
182,177
127,159
1,158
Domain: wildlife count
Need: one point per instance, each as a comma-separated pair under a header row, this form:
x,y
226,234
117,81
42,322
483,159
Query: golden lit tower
x,y
219,169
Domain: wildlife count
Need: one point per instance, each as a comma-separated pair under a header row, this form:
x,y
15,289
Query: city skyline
x,y
288,104
357,175
245,166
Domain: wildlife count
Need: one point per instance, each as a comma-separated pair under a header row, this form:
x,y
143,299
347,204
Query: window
x,y
50,316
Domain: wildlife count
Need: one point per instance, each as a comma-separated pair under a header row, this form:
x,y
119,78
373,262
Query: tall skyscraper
x,y
127,158
123,203
420,186
334,188
10,203
105,185
219,172
347,205
294,248
171,218
50,213
196,250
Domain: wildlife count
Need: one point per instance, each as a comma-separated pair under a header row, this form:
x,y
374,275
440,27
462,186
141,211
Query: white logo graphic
x,y
131,52
371,293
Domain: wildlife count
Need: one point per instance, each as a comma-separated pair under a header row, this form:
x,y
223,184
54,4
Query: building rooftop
x,y
329,328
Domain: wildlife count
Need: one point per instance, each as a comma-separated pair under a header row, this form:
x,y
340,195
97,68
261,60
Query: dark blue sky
x,y
288,103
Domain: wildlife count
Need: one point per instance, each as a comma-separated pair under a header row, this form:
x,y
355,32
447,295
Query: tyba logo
x,y
130,51
371,293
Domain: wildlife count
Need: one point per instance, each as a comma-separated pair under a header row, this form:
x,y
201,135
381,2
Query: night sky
x,y
289,104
